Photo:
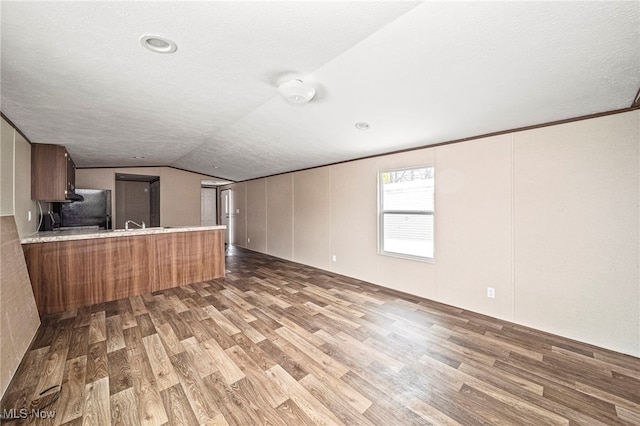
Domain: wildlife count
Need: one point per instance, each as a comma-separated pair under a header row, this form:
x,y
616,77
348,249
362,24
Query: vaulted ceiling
x,y
75,74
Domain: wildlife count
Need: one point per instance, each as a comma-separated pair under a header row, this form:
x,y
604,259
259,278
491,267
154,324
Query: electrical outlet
x,y
491,292
334,258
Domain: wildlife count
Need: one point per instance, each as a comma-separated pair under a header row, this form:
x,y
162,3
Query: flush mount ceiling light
x,y
158,44
361,125
297,91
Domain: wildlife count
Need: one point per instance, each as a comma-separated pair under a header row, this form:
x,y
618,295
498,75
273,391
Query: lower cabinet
x,y
71,274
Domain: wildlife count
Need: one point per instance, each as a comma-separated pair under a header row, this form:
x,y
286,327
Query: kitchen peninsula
x,y
70,269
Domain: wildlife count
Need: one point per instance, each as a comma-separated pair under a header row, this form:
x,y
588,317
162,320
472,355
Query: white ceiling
x,y
74,74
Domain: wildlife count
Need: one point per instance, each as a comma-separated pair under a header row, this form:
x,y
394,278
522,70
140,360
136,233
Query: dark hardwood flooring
x,y
285,344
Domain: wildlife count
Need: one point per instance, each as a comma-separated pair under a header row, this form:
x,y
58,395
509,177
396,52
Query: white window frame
x,y
382,212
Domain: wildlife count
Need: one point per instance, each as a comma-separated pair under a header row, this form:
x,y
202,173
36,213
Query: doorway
x,y
137,198
208,206
227,216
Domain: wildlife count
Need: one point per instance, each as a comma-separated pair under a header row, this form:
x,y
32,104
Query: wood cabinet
x,y
71,274
53,173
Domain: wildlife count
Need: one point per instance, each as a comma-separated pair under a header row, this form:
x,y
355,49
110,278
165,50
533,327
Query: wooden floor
x,y
280,343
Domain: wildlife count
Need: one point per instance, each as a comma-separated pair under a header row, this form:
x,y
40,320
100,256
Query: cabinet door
x,y
48,172
53,173
71,174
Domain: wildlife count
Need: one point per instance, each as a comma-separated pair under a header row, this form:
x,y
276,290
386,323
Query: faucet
x,y
126,224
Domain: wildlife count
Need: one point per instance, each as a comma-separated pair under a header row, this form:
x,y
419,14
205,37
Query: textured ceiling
x,y
74,74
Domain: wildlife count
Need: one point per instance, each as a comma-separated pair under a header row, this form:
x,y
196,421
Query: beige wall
x,y
473,234
576,230
257,215
238,215
311,217
6,169
23,202
548,217
97,179
352,241
15,190
280,216
19,319
179,197
179,191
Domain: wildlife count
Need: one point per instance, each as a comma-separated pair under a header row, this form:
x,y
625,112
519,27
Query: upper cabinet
x,y
53,173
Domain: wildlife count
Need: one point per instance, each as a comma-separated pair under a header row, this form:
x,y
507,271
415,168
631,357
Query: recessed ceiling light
x,y
361,125
158,44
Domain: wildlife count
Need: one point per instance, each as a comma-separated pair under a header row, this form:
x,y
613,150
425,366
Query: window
x,y
406,212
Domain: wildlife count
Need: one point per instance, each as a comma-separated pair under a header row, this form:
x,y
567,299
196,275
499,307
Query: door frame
x,y
226,214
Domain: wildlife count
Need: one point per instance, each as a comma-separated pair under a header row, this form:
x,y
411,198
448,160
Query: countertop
x,y
88,234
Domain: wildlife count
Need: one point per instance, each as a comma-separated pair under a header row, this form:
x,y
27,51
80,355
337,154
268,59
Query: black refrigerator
x,y
95,210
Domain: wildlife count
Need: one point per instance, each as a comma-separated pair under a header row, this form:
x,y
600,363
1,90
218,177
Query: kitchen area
x,y
106,234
